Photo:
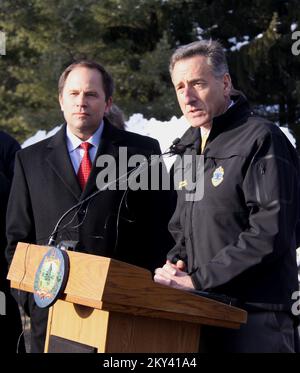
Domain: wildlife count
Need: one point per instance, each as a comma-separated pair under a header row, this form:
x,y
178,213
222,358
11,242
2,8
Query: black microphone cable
x,y
24,321
121,203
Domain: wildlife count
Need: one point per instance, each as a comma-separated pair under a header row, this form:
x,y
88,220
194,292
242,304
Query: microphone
x,y
176,147
171,151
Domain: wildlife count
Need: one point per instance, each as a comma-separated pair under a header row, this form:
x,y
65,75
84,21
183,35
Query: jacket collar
x,y
60,162
232,118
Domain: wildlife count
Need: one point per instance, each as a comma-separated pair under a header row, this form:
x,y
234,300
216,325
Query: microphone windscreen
x,y
176,141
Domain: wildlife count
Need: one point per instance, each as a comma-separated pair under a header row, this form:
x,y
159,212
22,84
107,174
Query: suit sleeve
x,y
161,205
8,152
8,149
19,218
298,221
270,189
153,209
19,223
165,205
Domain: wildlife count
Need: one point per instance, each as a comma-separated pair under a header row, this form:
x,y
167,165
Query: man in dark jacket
x,y
10,322
239,237
51,177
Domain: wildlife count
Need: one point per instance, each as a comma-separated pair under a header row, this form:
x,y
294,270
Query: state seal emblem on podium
x,y
51,277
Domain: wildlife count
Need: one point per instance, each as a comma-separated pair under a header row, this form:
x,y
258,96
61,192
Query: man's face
x,y
83,101
201,96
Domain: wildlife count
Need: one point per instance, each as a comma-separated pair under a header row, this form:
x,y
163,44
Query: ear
x,y
227,84
60,99
108,105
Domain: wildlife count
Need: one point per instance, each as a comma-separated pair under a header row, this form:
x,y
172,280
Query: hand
x,y
179,265
173,275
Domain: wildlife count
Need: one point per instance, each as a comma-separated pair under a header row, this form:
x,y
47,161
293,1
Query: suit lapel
x,y
59,160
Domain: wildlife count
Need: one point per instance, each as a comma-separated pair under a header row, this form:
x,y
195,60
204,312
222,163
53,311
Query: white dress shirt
x,y
76,152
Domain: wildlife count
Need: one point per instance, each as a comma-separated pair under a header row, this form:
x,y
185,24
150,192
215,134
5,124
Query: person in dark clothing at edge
x,y
239,240
10,321
49,177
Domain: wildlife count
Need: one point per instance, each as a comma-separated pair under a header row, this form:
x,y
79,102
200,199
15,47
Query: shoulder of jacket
x,y
8,140
136,136
35,148
263,126
139,141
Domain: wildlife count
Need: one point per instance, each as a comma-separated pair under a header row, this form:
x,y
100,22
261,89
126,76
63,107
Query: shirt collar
x,y
73,142
231,104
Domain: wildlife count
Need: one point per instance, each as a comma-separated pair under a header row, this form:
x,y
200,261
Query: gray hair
x,y
211,49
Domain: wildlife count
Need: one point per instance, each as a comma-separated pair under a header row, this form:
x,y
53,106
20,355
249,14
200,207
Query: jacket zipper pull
x,y
262,169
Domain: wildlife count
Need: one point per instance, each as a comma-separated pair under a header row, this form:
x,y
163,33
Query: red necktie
x,y
85,165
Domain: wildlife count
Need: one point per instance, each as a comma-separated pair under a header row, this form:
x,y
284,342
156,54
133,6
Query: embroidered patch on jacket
x,y
218,176
182,184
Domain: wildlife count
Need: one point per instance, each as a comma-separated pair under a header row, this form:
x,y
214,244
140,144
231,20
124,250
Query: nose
x,y
80,100
188,96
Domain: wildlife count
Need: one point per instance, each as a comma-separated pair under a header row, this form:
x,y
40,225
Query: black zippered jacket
x,y
240,238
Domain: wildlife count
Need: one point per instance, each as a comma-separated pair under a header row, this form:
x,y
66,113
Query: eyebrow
x,y
86,92
193,81
198,80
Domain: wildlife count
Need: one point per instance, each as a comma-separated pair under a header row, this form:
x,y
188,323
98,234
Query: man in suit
x,y
51,177
10,323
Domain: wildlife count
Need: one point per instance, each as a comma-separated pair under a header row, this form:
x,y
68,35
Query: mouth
x,y
195,111
81,114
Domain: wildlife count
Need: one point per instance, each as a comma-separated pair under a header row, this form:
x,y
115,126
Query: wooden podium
x,y
111,306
